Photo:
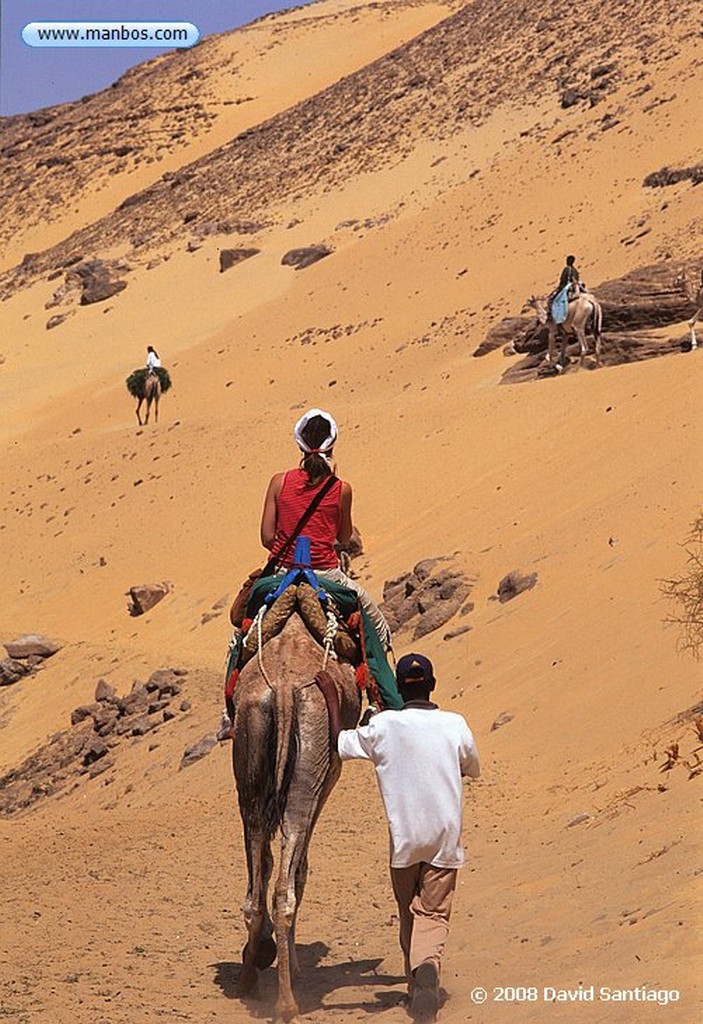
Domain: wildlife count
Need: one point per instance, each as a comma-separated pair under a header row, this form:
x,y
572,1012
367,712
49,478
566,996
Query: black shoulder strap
x,y
275,559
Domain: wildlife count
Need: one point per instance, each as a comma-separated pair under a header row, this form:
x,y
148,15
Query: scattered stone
x,y
80,714
11,670
105,720
164,680
57,320
569,98
198,750
98,767
185,705
513,584
578,820
94,751
503,718
453,633
104,692
231,257
145,596
142,725
31,643
305,257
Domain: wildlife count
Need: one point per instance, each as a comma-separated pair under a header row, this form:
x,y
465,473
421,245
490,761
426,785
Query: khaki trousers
x,y
424,897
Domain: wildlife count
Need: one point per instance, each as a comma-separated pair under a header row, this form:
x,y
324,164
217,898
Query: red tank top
x,y
322,526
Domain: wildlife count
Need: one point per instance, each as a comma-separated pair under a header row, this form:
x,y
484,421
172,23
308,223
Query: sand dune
x,y
461,184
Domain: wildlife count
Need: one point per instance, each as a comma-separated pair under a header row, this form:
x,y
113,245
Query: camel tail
x,y
286,720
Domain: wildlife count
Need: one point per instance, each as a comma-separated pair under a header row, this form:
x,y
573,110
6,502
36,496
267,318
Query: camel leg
x,y
313,780
156,409
692,324
581,335
139,405
285,907
260,950
254,777
551,347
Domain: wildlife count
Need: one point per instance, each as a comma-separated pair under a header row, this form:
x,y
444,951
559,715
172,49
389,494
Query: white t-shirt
x,y
420,754
152,360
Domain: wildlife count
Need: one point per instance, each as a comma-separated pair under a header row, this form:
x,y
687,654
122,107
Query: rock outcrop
x,y
426,598
92,744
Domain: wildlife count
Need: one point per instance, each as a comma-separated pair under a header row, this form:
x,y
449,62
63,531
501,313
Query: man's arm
x,y
468,756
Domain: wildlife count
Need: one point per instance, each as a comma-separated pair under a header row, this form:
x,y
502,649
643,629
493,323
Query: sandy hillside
x,y
447,158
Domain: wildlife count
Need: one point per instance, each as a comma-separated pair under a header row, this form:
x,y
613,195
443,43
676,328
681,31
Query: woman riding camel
x,y
152,359
290,493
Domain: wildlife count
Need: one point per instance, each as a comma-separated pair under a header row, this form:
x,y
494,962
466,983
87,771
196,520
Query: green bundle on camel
x,y
148,387
137,379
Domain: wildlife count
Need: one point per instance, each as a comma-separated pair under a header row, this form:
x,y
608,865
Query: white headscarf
x,y
300,426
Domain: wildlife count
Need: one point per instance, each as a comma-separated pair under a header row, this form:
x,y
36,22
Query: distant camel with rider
x,y
569,311
147,384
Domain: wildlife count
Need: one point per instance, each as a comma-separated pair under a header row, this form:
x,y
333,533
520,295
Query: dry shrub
x,y
685,591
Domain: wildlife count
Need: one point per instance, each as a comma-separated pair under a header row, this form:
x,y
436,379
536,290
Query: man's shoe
x,y
425,1000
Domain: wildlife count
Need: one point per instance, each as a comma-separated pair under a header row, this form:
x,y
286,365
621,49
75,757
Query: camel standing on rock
x,y
152,394
582,309
682,282
285,768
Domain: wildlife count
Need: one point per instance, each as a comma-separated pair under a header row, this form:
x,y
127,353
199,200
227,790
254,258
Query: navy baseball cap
x,y
414,668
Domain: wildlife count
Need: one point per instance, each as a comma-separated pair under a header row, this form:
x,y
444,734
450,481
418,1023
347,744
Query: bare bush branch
x,y
685,591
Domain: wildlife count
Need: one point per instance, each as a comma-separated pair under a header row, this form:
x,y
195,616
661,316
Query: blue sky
x,y
31,77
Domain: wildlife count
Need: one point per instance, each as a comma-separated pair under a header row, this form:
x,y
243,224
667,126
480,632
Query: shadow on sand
x,y
318,981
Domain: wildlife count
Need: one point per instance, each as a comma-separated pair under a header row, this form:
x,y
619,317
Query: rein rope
x,y
328,639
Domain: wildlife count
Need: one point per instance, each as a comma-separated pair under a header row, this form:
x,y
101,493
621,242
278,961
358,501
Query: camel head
x,y
539,306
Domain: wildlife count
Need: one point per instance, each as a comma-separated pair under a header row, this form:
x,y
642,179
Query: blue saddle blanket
x,y
560,305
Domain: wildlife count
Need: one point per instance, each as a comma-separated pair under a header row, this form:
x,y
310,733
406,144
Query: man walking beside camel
x,y
420,754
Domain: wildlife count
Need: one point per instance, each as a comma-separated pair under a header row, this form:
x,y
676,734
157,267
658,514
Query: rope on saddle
x,y
328,639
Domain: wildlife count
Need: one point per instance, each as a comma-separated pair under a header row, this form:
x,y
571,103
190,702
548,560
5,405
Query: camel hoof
x,y
265,953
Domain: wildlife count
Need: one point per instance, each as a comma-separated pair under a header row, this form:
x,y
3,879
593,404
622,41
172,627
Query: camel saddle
x,y
303,598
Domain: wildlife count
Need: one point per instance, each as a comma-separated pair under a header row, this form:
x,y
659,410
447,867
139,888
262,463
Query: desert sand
x,y
428,147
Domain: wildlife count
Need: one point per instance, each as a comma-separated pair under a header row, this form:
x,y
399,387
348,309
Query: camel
x,y
682,282
151,393
285,768
582,308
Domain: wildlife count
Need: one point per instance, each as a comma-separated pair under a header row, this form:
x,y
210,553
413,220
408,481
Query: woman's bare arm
x,y
268,516
345,523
